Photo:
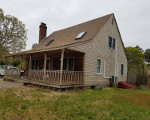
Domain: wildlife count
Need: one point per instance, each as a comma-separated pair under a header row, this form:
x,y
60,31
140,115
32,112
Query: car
x,y
15,68
2,70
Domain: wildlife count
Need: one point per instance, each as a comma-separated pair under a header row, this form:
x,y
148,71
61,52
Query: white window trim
x,y
123,69
112,43
100,67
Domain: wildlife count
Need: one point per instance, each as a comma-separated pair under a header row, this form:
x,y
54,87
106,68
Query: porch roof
x,y
50,50
66,37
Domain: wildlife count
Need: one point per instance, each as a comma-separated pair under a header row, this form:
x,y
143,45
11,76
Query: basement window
x,y
80,35
49,42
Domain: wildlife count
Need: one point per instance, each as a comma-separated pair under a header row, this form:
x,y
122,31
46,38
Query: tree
x,y
33,45
135,60
12,33
147,55
138,47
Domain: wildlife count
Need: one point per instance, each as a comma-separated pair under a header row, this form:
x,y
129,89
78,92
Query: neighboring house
x,y
87,54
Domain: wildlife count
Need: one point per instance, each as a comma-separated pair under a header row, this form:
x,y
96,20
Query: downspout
x,y
116,66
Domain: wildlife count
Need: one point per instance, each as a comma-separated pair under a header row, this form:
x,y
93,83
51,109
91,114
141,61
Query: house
x,y
87,54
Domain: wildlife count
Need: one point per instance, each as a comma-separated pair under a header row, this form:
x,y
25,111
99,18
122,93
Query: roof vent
x,y
49,42
80,35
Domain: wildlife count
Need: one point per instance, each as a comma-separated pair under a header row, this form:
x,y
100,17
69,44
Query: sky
x,y
133,16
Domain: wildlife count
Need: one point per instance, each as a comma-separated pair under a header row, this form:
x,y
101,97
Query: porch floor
x,y
27,82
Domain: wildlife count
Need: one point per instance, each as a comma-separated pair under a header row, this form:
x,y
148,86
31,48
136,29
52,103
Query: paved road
x,y
5,84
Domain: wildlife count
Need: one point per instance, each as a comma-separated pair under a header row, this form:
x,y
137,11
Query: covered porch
x,y
59,68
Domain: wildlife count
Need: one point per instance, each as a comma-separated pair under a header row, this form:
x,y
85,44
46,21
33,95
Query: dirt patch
x,y
138,99
5,84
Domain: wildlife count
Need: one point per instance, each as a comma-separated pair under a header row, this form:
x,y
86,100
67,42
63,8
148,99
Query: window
x,y
49,42
80,35
122,69
48,64
35,64
112,42
68,64
98,66
65,64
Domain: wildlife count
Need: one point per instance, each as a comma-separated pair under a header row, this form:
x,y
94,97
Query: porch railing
x,y
36,75
53,76
15,73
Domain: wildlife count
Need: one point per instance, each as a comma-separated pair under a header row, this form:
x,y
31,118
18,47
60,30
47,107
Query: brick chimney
x,y
42,31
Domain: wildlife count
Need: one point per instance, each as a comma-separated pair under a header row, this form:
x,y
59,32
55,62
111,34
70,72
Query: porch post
x,y
30,62
5,67
12,67
29,72
20,65
83,78
45,60
61,65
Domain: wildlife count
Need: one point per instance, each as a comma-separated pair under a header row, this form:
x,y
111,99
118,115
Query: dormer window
x,y
80,35
49,42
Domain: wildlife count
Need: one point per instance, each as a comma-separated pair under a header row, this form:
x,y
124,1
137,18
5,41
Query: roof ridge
x,y
67,35
82,23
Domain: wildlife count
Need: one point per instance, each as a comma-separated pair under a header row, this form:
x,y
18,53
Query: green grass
x,y
100,104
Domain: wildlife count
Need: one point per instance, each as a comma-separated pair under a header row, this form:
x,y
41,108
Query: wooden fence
x,y
15,73
149,79
140,79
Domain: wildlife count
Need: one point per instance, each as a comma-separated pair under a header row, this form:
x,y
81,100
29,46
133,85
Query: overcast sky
x,y
133,16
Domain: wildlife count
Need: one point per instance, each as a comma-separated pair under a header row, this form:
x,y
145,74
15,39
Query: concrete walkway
x,y
5,84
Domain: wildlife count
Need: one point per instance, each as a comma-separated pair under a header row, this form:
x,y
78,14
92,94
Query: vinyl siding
x,y
98,49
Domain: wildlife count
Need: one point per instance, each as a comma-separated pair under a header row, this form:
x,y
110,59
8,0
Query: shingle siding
x,y
98,49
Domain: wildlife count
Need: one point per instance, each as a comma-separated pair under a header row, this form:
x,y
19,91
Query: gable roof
x,y
67,36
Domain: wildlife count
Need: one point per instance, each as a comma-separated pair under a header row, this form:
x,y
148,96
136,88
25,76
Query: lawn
x,y
99,104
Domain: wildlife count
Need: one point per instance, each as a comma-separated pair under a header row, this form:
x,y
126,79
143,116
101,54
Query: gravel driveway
x,y
5,84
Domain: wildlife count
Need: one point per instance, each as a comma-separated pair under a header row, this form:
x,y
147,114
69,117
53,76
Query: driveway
x,y
5,84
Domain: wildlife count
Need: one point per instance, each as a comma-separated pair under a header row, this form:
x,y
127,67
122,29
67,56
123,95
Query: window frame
x,y
67,58
34,62
113,45
48,59
98,66
122,69
111,42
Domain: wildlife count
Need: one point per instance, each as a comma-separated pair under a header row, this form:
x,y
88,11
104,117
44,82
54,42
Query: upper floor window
x,y
112,42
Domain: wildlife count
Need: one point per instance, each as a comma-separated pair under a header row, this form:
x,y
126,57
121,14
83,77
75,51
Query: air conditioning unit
x,y
114,79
